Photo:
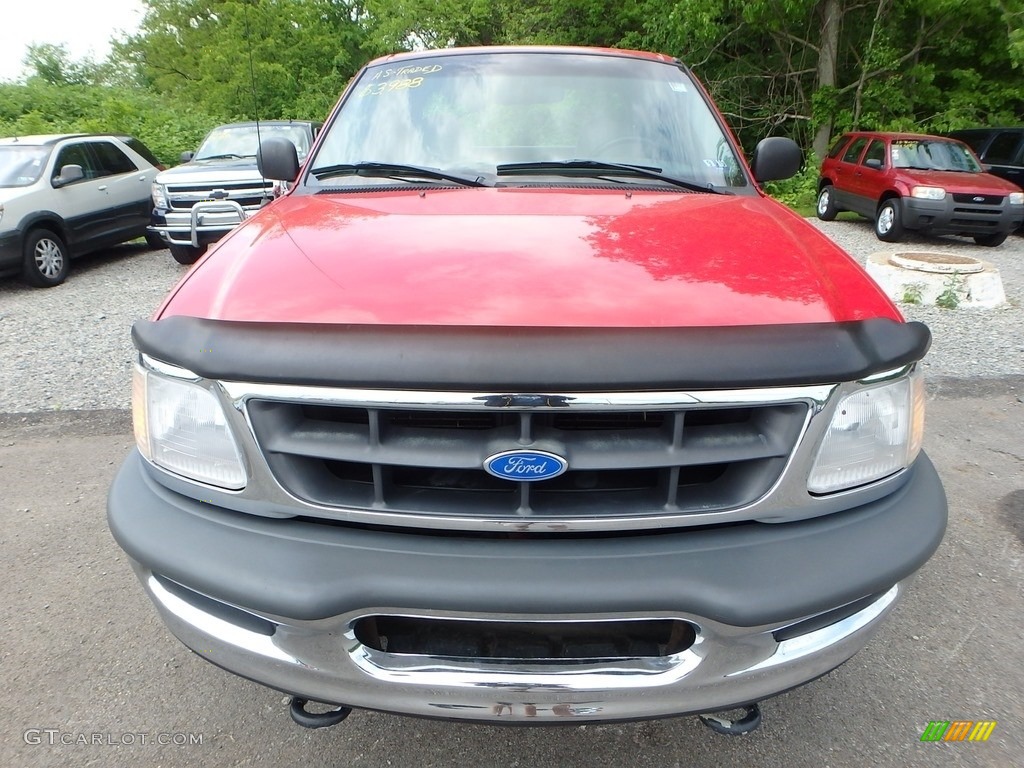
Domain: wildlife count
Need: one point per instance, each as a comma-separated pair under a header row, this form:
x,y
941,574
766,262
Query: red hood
x,y
966,183
528,257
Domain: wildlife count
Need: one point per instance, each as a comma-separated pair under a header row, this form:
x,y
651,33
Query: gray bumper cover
x,y
303,585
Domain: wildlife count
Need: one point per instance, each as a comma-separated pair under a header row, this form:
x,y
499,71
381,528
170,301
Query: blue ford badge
x,y
525,466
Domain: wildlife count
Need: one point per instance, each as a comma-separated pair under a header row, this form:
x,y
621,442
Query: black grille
x,y
621,463
538,641
978,199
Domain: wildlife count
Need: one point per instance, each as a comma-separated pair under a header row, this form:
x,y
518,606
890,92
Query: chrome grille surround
x,y
784,497
249,194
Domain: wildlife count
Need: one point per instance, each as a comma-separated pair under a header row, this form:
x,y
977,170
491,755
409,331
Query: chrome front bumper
x,y
216,217
324,661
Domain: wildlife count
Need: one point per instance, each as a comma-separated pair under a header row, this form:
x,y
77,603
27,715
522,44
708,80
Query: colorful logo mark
x,y
958,730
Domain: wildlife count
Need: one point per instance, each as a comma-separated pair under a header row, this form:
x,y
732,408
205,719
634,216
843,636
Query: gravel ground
x,y
69,348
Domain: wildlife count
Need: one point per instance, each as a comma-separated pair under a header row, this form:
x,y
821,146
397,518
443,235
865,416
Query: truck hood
x,y
528,257
212,172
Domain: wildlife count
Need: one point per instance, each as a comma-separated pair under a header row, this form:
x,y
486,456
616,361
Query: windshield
x,y
476,115
21,166
243,141
933,155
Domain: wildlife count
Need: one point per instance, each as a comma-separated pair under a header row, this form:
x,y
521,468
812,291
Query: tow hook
x,y
746,724
297,709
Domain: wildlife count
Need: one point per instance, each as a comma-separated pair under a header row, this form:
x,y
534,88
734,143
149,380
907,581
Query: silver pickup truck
x,y
219,186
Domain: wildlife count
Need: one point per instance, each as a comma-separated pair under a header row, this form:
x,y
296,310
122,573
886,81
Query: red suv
x,y
911,181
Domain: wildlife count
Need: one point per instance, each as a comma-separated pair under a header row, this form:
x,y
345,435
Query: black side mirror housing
x,y
776,158
278,159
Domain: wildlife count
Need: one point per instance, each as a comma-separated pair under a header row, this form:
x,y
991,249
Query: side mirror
x,y
68,174
874,163
278,159
186,157
776,158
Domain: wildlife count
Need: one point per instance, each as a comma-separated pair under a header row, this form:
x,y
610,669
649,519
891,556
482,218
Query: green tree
x,y
810,68
258,58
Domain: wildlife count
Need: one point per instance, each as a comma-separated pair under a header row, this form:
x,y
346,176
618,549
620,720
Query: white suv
x,y
62,196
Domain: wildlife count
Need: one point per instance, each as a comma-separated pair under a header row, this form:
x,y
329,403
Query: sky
x,y
83,27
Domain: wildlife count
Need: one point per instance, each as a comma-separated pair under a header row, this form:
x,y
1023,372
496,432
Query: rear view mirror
x,y
776,158
68,174
874,163
278,159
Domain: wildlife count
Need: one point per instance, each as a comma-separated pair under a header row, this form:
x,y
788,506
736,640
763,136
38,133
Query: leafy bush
x,y
166,128
801,191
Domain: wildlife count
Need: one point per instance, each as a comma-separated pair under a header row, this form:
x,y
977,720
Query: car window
x,y
141,149
933,155
76,154
974,140
851,154
21,166
1003,150
243,140
473,113
111,160
876,151
837,148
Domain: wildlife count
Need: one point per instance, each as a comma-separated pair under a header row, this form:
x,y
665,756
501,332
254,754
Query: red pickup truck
x,y
525,404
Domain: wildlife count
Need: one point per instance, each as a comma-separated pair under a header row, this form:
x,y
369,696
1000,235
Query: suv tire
x,y
186,254
991,241
826,207
155,242
46,259
889,221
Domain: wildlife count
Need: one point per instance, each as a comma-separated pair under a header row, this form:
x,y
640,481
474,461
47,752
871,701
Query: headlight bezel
x,y
158,193
867,397
925,192
217,459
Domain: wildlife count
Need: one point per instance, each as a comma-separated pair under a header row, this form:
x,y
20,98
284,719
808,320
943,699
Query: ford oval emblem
x,y
525,466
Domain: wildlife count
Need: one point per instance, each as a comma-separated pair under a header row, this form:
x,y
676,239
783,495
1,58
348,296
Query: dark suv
x,y
1000,149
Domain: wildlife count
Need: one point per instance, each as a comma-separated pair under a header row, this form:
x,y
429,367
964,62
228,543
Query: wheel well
x,y
51,222
824,182
890,195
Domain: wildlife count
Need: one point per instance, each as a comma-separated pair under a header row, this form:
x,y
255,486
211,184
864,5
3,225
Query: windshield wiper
x,y
600,167
225,156
396,171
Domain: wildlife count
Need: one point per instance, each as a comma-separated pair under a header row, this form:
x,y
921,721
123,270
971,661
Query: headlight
x,y
181,427
159,193
1016,198
928,193
875,432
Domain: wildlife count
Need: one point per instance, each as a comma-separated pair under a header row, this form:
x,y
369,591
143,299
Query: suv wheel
x,y
186,254
826,208
888,222
991,240
155,242
46,259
